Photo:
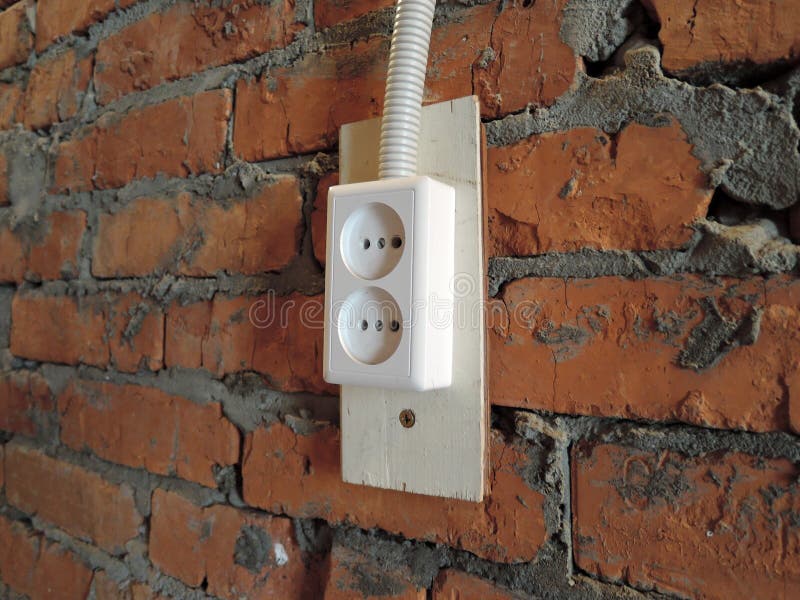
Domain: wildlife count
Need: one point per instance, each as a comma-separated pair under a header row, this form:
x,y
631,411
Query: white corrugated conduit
x,y
405,83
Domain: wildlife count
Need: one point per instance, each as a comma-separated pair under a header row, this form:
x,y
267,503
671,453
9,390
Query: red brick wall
x,y
165,431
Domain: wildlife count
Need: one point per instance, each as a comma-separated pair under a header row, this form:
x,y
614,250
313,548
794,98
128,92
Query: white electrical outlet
x,y
388,284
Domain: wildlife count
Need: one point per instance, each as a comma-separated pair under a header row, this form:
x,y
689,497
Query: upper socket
x,y
372,241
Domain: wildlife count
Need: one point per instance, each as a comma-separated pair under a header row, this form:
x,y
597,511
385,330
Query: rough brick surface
x,y
32,566
705,32
280,337
239,554
714,526
187,38
120,329
356,576
57,18
670,349
76,500
528,63
300,475
197,237
51,253
55,89
16,39
457,585
299,109
10,104
184,136
560,192
25,400
145,427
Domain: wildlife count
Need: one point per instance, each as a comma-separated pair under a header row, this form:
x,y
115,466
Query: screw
x,y
407,418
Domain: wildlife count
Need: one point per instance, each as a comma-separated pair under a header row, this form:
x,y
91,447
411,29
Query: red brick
x,y
32,566
532,65
145,427
328,13
10,104
57,18
188,38
300,476
356,576
240,554
57,255
55,89
560,192
319,216
176,138
123,330
16,39
610,346
715,526
135,333
105,588
76,500
51,253
24,396
457,585
4,199
187,330
198,237
702,32
59,329
299,109
280,337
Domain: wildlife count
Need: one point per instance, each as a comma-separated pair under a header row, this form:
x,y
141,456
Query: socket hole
x,y
363,325
366,233
394,326
397,241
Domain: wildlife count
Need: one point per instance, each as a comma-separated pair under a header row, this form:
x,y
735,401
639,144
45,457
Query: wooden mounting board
x,y
445,452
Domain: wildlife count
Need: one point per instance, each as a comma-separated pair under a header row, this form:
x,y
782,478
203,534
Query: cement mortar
x,y
746,138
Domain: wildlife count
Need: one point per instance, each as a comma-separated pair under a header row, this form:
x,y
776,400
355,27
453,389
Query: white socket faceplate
x,y
388,284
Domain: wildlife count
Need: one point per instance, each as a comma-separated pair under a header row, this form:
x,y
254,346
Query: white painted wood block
x,y
445,452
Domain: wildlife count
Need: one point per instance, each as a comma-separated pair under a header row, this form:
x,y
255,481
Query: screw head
x,y
407,418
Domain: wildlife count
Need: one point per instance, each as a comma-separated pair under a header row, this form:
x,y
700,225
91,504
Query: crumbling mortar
x,y
244,398
749,130
544,578
300,276
688,440
595,30
715,250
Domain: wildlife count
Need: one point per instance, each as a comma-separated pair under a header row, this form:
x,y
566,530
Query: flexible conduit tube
x,y
405,81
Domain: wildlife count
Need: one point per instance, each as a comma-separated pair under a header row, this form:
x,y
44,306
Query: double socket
x,y
389,284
